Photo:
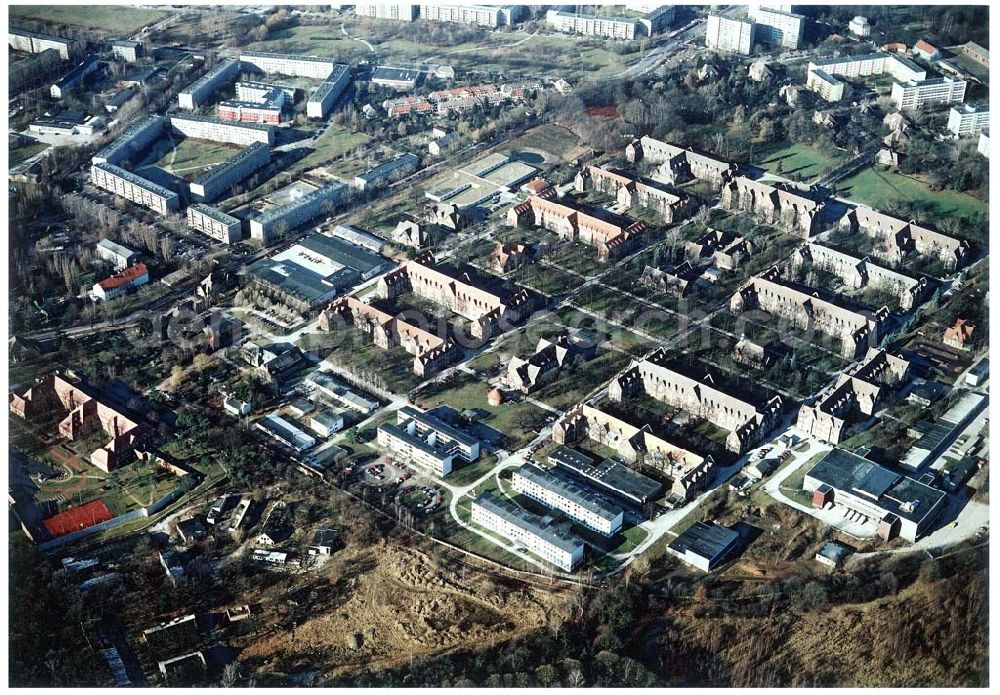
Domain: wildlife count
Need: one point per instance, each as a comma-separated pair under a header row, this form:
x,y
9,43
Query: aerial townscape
x,y
447,345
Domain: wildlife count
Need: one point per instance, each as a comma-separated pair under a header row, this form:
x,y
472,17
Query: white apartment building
x,y
296,213
287,64
214,222
201,90
405,443
984,144
727,34
821,76
553,545
135,188
577,502
397,11
920,93
205,128
591,25
119,256
823,84
482,15
221,177
328,92
777,27
968,119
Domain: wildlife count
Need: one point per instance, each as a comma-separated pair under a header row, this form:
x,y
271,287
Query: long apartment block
x,y
777,27
287,64
917,94
678,164
425,440
296,213
856,330
537,534
30,42
822,74
135,188
201,90
577,502
223,176
214,222
633,193
748,423
322,100
905,238
207,128
133,140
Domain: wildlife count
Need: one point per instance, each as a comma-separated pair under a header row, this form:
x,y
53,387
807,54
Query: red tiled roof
x,y
923,46
124,277
78,518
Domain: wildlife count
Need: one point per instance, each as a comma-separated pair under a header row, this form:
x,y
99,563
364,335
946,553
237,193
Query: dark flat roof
x,y
708,540
531,523
610,474
396,74
342,252
566,488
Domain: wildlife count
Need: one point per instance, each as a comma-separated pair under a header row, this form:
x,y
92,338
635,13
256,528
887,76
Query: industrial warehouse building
x,y
290,216
705,545
135,188
214,222
312,272
537,534
396,78
222,177
577,502
900,506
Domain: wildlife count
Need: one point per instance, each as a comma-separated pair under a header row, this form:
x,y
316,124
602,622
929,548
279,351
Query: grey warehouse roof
x,y
706,540
569,490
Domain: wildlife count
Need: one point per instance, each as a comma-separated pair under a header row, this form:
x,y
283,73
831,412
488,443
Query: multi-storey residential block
x,y
631,193
781,204
548,542
855,396
488,313
610,477
427,441
613,240
727,34
223,176
777,27
116,254
201,90
983,146
214,222
206,128
626,28
856,330
679,165
74,77
265,109
861,272
689,473
825,85
920,93
290,216
900,238
822,74
386,172
135,188
559,491
127,50
482,15
287,64
747,423
30,42
968,119
398,11
431,351
326,95
119,283
135,138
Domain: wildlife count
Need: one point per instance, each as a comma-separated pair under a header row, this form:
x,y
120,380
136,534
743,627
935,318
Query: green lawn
x,y
801,162
880,189
326,40
118,19
189,158
633,537
332,144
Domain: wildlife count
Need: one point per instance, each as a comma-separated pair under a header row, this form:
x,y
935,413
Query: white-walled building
x,y
917,94
984,144
118,284
287,64
777,27
577,502
328,92
296,213
221,177
206,128
860,27
548,542
491,16
135,188
398,11
119,256
968,119
201,90
214,222
727,34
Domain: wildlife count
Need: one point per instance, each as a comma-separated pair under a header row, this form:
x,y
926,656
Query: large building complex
x,y
135,188
725,34
969,119
917,94
612,239
393,10
326,95
431,352
215,223
610,477
207,128
30,42
131,142
426,440
822,74
704,545
777,27
282,219
780,204
626,28
202,90
679,165
856,330
577,502
535,533
748,424
632,193
222,177
287,64
490,16
901,239
897,505
487,312
689,473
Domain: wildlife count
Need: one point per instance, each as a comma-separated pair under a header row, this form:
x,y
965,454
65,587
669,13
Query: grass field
x,y
332,144
19,154
799,161
879,189
550,138
313,40
121,20
189,158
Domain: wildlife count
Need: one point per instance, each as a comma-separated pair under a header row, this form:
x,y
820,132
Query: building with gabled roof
x,y
679,165
904,237
543,365
632,193
779,204
959,334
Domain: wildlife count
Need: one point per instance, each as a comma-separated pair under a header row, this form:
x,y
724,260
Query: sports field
x,y
880,189
122,20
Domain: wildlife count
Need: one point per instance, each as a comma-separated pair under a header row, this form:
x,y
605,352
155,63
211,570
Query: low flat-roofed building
x,y
180,669
537,534
119,256
333,389
294,214
326,422
173,635
396,78
705,545
74,77
285,432
898,505
387,172
427,440
129,51
215,223
833,554
577,502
